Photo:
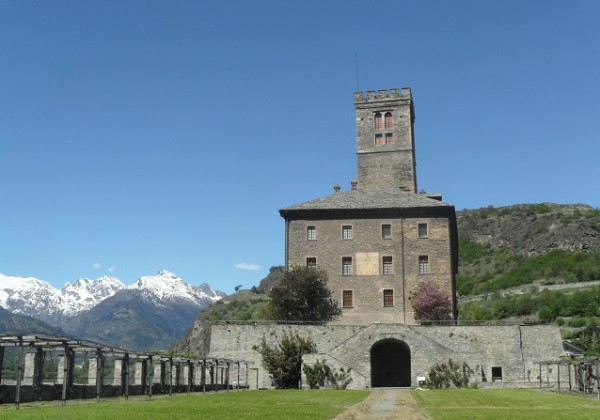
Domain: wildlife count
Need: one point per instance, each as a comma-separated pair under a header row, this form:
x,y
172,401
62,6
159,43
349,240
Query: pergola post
x,y
125,377
99,366
150,379
69,361
569,365
171,376
19,374
227,376
203,376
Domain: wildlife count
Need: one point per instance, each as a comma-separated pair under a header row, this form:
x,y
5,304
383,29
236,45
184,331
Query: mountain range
x,y
153,313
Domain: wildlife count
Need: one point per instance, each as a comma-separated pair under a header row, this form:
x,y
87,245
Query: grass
x,y
514,404
274,404
505,404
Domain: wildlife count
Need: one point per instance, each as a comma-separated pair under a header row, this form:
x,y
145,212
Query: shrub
x,y
443,375
285,361
430,303
321,375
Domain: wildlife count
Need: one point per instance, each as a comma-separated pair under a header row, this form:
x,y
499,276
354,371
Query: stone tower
x,y
385,140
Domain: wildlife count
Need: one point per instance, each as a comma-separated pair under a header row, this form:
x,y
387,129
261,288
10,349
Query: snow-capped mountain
x,y
167,286
152,313
39,299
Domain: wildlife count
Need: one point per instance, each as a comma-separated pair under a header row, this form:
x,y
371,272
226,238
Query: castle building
x,y
378,242
381,239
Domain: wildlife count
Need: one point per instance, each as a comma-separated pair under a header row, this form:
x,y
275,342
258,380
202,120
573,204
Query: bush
x,y
430,303
444,375
285,361
321,375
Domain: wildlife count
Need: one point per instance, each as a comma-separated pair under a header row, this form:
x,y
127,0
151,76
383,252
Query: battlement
x,y
382,94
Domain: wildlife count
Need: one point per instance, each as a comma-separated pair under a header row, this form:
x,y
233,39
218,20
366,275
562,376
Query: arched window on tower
x,y
389,120
378,121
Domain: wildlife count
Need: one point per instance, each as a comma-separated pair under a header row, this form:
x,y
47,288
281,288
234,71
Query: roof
x,y
362,199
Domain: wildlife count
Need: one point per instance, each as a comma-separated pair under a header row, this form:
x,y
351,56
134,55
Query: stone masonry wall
x,y
514,349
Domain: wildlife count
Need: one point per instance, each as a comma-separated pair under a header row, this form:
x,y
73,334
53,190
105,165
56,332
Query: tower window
x,y
347,301
423,264
346,266
385,124
378,121
389,120
388,297
346,232
387,266
311,262
386,231
311,233
422,230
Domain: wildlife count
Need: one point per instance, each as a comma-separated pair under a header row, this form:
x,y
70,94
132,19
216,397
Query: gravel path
x,y
385,404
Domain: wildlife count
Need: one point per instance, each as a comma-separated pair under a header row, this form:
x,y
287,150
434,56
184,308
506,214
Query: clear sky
x,y
145,135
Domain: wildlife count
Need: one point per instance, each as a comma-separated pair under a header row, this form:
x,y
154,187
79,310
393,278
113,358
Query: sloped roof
x,y
363,199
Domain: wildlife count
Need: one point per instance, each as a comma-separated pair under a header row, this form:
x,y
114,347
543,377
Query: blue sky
x,y
145,135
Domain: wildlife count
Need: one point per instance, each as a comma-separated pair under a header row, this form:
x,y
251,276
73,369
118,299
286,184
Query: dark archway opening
x,y
390,364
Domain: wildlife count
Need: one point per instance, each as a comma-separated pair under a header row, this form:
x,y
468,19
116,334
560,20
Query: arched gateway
x,y
390,363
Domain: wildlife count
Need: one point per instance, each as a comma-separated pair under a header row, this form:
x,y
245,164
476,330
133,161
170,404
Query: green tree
x,y
284,362
303,296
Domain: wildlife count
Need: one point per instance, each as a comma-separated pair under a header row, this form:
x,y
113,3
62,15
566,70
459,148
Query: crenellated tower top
x,y
382,94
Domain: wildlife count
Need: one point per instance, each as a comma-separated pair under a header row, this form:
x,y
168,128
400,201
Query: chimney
x,y
354,183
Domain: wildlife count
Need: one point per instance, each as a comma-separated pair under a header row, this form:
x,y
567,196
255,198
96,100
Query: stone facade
x,y
379,241
502,356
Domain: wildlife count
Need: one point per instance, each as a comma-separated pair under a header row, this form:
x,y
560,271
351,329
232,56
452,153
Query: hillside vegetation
x,y
529,261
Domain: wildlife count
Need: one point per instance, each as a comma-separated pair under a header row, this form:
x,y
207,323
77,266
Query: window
x,y
346,232
383,128
422,230
311,262
496,373
388,297
387,265
389,121
347,301
346,266
423,264
378,121
386,231
311,233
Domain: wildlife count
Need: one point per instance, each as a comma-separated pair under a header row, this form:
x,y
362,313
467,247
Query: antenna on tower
x,y
356,67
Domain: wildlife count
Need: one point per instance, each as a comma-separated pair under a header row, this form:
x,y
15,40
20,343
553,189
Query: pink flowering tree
x,y
430,303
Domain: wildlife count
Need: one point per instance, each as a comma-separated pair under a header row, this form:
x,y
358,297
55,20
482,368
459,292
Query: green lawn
x,y
263,405
505,404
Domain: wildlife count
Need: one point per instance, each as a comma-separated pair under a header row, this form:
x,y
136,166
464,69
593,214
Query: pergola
x,y
582,373
185,374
